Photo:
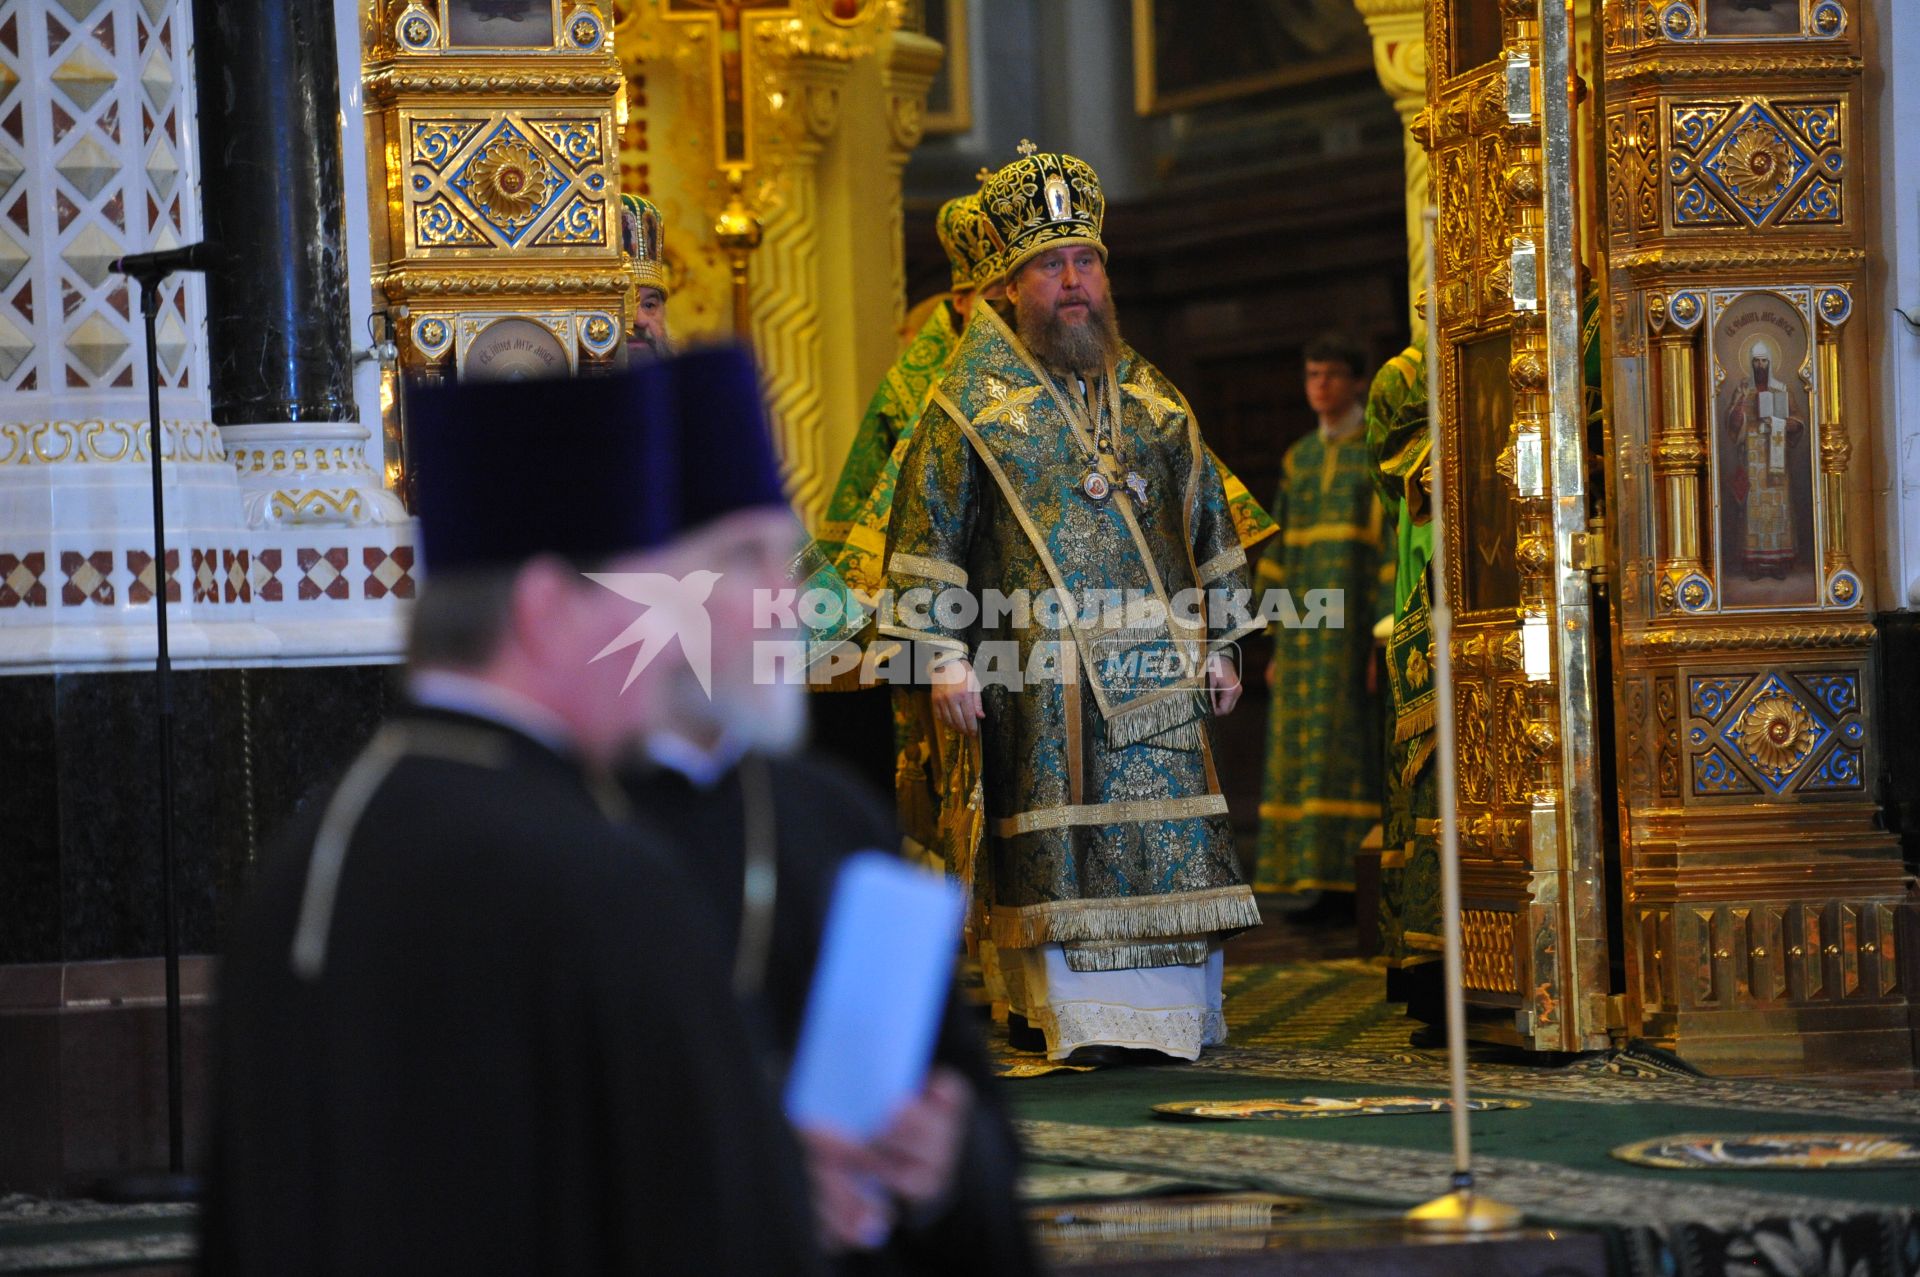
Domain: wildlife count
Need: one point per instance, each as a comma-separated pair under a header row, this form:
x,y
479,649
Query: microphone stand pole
x,y
1464,1209
175,1185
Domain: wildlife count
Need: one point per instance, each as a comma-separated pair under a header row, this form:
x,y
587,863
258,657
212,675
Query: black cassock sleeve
x,y
824,815
708,1177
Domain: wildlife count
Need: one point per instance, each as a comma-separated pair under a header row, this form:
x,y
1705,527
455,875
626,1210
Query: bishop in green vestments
x,y
1057,466
1322,791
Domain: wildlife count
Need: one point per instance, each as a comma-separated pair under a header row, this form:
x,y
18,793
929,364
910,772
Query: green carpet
x,y
1569,1133
1551,1159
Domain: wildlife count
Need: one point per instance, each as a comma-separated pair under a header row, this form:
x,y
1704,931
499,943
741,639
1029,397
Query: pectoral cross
x,y
726,20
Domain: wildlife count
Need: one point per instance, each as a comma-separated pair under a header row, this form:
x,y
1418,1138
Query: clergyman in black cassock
x,y
471,1019
819,814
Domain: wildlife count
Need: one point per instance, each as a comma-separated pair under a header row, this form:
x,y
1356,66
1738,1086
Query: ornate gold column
x,y
1678,450
828,97
1400,60
911,61
497,244
787,292
1834,307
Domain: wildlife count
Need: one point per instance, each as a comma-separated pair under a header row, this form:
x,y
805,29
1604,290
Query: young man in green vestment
x,y
1322,790
1058,469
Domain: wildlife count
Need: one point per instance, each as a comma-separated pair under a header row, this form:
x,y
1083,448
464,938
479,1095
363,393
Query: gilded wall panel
x,y
1785,733
1771,163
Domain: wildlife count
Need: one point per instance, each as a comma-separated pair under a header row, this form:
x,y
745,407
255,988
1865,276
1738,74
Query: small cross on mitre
x,y
1027,148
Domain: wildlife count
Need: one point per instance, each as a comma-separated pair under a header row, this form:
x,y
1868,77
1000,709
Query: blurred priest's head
x,y
593,548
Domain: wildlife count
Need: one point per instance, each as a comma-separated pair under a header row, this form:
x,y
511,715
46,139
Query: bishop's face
x,y
1064,311
1762,371
1063,285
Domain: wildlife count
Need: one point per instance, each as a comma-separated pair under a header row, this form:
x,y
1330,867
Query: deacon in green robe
x,y
1056,527
1322,792
1398,444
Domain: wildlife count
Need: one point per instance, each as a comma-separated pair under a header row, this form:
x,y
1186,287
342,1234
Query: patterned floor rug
x,y
1327,1005
1323,1027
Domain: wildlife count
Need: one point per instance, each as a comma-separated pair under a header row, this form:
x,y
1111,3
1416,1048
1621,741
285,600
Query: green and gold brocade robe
x,y
923,758
1398,443
1106,831
1322,790
896,404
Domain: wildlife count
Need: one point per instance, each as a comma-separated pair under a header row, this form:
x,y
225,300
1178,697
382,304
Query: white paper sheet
x,y
884,976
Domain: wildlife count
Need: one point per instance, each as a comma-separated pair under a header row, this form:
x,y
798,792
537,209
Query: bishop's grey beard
x,y
1086,347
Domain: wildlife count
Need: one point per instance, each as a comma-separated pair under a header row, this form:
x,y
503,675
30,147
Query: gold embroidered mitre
x,y
1043,201
972,249
642,236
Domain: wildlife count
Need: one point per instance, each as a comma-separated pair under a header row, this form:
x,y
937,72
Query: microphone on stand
x,y
162,262
148,270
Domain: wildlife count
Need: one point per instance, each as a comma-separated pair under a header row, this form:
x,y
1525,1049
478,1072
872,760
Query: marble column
x,y
99,157
278,323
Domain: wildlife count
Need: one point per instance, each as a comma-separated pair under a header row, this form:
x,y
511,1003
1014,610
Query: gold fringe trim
x,y
1182,914
1421,754
1411,722
1118,1221
1134,955
1164,716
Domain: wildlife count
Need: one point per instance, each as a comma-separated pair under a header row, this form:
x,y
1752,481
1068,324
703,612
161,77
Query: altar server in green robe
x,y
1335,548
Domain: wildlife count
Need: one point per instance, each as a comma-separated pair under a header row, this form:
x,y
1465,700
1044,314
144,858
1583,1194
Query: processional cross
x,y
725,18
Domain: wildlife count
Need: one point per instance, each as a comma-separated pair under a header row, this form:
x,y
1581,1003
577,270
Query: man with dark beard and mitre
x,y
643,236
1056,519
